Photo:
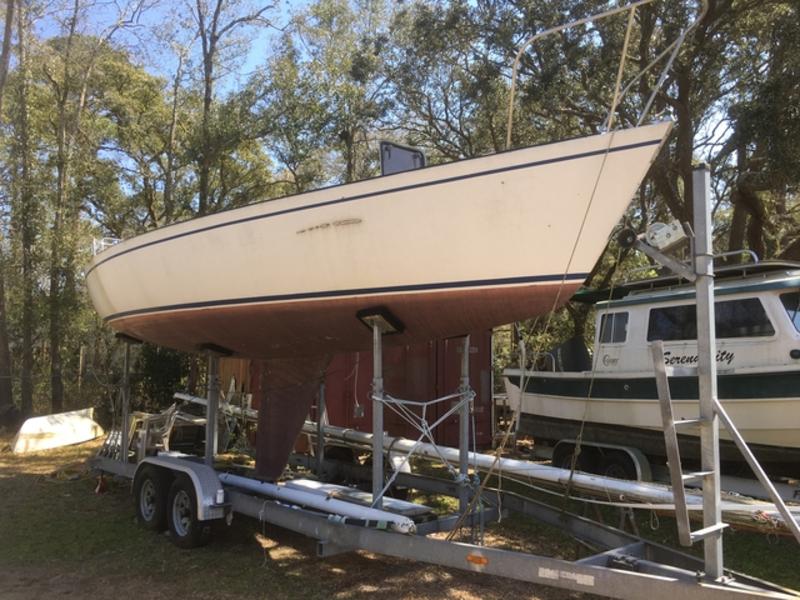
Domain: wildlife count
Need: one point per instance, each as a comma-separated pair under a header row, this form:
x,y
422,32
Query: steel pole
x,y
321,421
126,404
212,408
707,368
377,415
463,430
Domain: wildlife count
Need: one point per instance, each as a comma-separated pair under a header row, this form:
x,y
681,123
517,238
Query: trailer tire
x,y
619,465
563,453
150,490
186,531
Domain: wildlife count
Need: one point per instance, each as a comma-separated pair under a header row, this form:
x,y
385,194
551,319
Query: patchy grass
x,y
59,537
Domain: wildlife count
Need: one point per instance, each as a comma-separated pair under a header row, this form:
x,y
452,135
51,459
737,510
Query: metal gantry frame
x,y
707,371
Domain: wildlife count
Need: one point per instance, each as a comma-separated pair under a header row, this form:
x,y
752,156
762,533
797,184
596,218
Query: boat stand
x,y
381,323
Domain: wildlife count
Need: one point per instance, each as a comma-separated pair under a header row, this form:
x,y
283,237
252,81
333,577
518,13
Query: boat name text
x,y
339,223
671,360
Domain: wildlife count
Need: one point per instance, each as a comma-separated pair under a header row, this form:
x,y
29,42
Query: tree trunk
x,y
6,52
56,275
684,144
169,175
57,263
26,224
205,156
739,217
6,396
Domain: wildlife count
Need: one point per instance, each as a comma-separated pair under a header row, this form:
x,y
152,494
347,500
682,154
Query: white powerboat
x,y
613,396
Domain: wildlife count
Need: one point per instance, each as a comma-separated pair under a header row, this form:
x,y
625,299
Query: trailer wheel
x,y
185,529
619,465
562,457
150,498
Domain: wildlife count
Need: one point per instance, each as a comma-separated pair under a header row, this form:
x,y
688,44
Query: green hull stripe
x,y
729,387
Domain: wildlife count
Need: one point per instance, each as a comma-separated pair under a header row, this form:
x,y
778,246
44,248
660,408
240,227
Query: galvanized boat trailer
x,y
189,494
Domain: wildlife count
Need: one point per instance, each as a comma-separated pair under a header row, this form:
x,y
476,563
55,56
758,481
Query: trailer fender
x,y
207,486
637,457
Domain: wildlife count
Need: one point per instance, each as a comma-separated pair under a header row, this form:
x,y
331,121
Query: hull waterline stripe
x,y
352,292
379,193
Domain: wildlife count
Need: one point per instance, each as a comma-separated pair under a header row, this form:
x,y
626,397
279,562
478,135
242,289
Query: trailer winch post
x,y
707,371
463,430
212,407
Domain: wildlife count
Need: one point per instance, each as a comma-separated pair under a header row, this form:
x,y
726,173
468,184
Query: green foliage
x,y
325,92
161,372
131,145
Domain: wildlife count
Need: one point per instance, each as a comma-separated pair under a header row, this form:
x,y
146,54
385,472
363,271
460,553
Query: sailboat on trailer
x,y
446,249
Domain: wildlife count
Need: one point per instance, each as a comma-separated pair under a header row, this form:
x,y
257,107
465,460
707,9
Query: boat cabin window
x,y
791,302
613,328
734,319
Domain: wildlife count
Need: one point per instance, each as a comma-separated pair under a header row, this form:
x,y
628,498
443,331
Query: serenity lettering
x,y
723,356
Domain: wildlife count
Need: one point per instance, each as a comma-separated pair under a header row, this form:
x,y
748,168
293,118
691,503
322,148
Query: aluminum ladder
x,y
678,478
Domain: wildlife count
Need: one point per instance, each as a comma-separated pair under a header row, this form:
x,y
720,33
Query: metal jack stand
x,y
322,419
381,322
377,414
707,374
214,353
703,277
126,404
212,408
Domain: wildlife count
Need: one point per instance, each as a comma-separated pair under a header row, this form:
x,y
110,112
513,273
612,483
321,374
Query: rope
x,y
579,438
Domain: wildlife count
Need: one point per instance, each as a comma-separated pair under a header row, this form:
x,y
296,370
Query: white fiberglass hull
x,y
446,249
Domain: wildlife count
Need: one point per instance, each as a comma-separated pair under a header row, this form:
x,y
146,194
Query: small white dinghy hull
x,y
54,431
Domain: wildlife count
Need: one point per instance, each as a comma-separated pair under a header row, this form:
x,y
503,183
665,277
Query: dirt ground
x,y
59,539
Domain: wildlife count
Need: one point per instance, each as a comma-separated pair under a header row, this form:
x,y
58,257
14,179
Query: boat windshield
x,y
791,302
734,319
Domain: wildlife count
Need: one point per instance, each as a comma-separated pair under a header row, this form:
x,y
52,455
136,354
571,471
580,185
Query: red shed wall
x,y
416,372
